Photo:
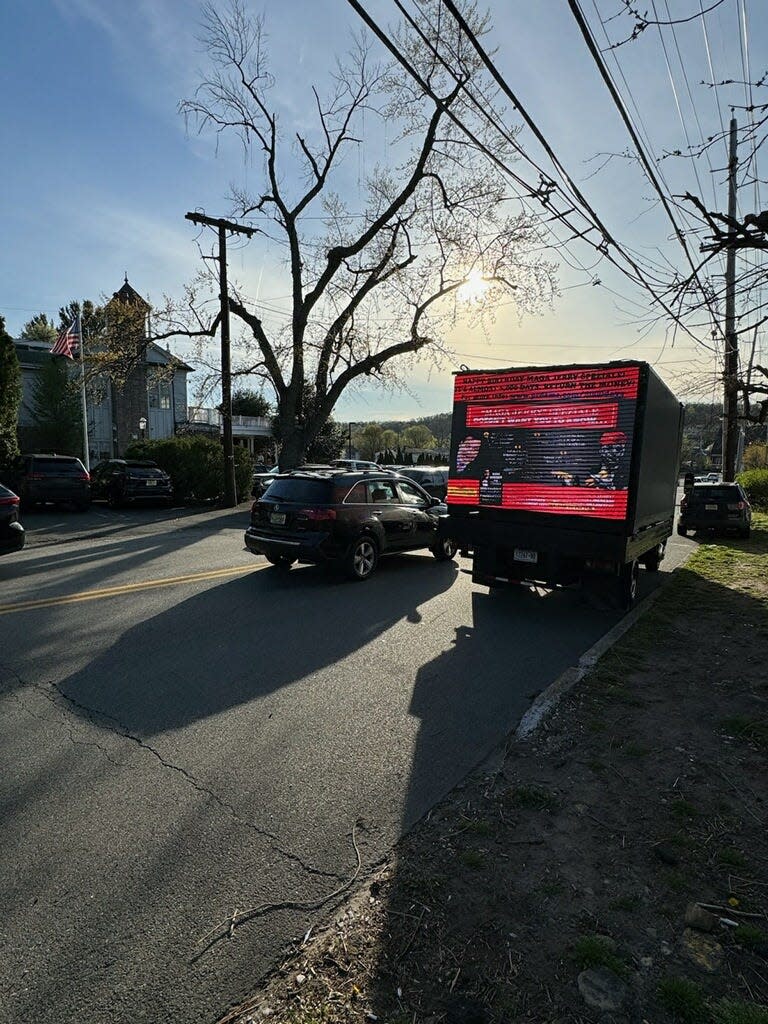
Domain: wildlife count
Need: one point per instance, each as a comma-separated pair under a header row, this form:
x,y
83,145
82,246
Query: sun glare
x,y
474,287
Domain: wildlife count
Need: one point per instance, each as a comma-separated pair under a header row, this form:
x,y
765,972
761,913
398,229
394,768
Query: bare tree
x,y
383,284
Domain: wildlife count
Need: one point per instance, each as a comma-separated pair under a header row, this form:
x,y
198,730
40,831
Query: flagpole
x,y
86,457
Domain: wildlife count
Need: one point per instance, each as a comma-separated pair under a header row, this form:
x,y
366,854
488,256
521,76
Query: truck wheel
x,y
626,590
444,550
652,558
362,558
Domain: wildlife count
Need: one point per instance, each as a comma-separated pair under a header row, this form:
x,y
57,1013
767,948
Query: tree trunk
x,y
292,448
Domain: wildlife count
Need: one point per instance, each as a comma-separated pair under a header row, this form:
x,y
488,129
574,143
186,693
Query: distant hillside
x,y
439,425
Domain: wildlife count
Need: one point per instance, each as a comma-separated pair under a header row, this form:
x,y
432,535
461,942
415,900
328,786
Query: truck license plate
x,y
277,518
525,555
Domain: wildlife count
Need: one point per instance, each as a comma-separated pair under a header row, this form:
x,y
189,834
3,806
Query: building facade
x,y
152,401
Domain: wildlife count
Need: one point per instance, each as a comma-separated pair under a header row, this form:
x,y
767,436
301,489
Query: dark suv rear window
x,y
316,492
144,472
59,467
717,492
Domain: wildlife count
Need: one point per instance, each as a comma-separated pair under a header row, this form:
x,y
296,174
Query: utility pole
x,y
731,367
230,490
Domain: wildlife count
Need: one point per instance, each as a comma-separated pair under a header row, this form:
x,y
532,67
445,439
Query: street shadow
x,y
90,566
238,642
444,953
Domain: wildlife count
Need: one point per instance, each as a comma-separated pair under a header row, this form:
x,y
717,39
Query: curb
x,y
548,698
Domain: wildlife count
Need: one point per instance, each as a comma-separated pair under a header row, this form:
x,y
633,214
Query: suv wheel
x,y
682,531
362,558
113,498
745,533
444,550
281,561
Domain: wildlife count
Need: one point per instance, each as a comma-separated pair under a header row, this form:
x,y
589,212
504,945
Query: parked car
x,y
434,479
55,478
719,507
348,518
12,535
121,481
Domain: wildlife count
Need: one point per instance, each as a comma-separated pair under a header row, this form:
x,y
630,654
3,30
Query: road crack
x,y
101,719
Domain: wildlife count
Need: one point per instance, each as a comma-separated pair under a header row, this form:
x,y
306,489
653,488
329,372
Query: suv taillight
x,y
317,515
84,476
11,499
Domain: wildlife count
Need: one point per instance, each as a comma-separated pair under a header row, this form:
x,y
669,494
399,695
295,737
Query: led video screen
x,y
553,441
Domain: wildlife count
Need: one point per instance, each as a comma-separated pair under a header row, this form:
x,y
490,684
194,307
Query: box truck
x,y
564,475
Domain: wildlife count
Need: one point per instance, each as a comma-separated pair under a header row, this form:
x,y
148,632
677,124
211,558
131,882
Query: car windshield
x,y
315,492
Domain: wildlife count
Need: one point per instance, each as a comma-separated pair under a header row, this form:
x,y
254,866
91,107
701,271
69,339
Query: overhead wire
x,y
637,275
621,107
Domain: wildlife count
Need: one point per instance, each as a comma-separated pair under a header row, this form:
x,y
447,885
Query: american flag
x,y
68,340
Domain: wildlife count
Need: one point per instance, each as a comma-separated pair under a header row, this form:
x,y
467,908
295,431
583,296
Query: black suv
x,y
125,480
434,479
717,507
56,478
344,517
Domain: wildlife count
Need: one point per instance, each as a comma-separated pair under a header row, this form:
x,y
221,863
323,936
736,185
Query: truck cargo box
x,y
588,448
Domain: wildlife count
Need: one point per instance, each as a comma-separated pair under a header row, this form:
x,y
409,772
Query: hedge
x,y
195,464
755,483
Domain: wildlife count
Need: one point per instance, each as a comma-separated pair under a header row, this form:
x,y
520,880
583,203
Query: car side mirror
x,y
435,501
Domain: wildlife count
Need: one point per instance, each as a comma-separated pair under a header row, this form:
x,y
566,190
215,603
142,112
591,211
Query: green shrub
x,y
195,464
755,483
683,998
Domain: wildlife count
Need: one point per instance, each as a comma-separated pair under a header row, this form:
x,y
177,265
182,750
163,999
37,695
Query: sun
x,y
474,287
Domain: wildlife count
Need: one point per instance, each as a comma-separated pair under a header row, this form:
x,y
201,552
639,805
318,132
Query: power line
x,y
616,97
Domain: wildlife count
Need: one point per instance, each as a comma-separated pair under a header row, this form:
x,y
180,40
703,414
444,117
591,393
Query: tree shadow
x,y
446,944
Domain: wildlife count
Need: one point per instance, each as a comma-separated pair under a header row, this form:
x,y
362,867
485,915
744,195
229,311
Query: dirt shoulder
x,y
613,869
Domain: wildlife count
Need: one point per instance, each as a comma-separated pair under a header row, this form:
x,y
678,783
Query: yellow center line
x,y
129,588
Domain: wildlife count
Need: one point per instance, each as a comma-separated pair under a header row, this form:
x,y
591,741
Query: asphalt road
x,y
186,732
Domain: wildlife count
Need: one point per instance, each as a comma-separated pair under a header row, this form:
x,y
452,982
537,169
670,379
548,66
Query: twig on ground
x,y
238,917
410,941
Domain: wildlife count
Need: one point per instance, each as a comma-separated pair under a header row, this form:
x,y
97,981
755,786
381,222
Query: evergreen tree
x,y
57,410
10,397
39,328
247,402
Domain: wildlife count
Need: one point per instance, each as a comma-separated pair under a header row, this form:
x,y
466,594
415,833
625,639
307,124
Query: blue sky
x,y
99,169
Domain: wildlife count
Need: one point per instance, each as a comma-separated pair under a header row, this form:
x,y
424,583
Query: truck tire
x,y
626,590
652,558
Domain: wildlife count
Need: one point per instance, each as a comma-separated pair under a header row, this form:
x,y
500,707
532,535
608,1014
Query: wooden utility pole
x,y
230,489
731,363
